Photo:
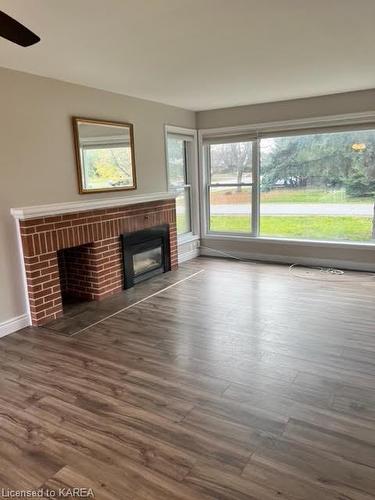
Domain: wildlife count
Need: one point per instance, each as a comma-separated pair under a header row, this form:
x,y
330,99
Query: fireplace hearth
x,y
146,254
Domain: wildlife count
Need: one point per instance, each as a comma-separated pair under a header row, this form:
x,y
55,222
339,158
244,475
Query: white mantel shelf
x,y
38,211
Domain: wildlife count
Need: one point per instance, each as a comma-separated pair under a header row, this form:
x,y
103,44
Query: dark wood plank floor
x,y
242,382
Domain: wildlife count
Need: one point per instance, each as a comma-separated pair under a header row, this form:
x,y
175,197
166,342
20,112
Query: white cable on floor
x,y
226,254
327,271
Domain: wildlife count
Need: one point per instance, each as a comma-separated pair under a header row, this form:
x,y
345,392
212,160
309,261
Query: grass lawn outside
x,y
310,196
295,227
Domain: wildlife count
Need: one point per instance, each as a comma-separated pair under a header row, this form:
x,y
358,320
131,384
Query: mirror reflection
x,y
105,155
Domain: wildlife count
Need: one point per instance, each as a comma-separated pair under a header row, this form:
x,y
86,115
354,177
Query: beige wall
x,y
351,102
335,104
37,159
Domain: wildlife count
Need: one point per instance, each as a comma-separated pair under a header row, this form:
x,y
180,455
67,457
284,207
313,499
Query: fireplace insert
x,y
146,254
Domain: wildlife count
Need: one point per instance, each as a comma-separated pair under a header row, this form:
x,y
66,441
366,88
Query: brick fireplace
x,y
80,252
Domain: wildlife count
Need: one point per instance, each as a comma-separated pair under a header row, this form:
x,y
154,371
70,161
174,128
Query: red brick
x,y
47,257
54,218
63,224
32,222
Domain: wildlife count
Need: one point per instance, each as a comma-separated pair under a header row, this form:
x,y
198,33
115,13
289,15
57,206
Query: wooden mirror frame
x,y
76,121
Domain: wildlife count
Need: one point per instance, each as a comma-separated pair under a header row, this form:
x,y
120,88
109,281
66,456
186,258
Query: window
x,y
180,166
230,186
313,185
106,166
318,186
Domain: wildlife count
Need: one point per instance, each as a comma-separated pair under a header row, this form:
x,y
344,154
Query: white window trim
x,y
351,119
284,125
191,134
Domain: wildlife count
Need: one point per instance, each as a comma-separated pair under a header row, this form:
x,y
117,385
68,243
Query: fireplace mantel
x,y
34,212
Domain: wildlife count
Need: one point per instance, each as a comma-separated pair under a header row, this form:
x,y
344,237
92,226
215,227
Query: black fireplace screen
x,y
146,253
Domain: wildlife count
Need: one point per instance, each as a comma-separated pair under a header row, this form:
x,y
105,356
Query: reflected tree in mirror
x,y
105,155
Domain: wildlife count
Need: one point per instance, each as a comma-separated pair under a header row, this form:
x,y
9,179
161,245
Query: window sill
x,y
187,238
287,241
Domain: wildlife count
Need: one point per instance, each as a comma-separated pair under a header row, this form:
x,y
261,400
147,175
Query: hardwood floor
x,y
242,381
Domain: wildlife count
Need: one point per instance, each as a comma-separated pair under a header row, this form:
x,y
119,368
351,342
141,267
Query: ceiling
x,y
200,54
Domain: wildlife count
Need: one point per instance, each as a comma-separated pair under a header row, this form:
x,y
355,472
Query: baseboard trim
x,y
284,259
183,257
14,324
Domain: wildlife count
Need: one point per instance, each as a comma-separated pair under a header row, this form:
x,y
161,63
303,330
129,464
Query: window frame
x,y
190,136
318,125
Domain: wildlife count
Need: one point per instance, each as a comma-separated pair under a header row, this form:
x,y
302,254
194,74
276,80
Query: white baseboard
x,y
14,324
284,259
183,257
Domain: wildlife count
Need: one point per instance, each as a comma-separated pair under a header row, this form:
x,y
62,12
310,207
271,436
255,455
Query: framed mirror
x,y
105,155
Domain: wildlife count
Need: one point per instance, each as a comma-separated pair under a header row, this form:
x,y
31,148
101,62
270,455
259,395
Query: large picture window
x,y
316,185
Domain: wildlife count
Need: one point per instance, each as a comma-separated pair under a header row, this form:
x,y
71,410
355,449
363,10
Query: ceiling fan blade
x,y
16,32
